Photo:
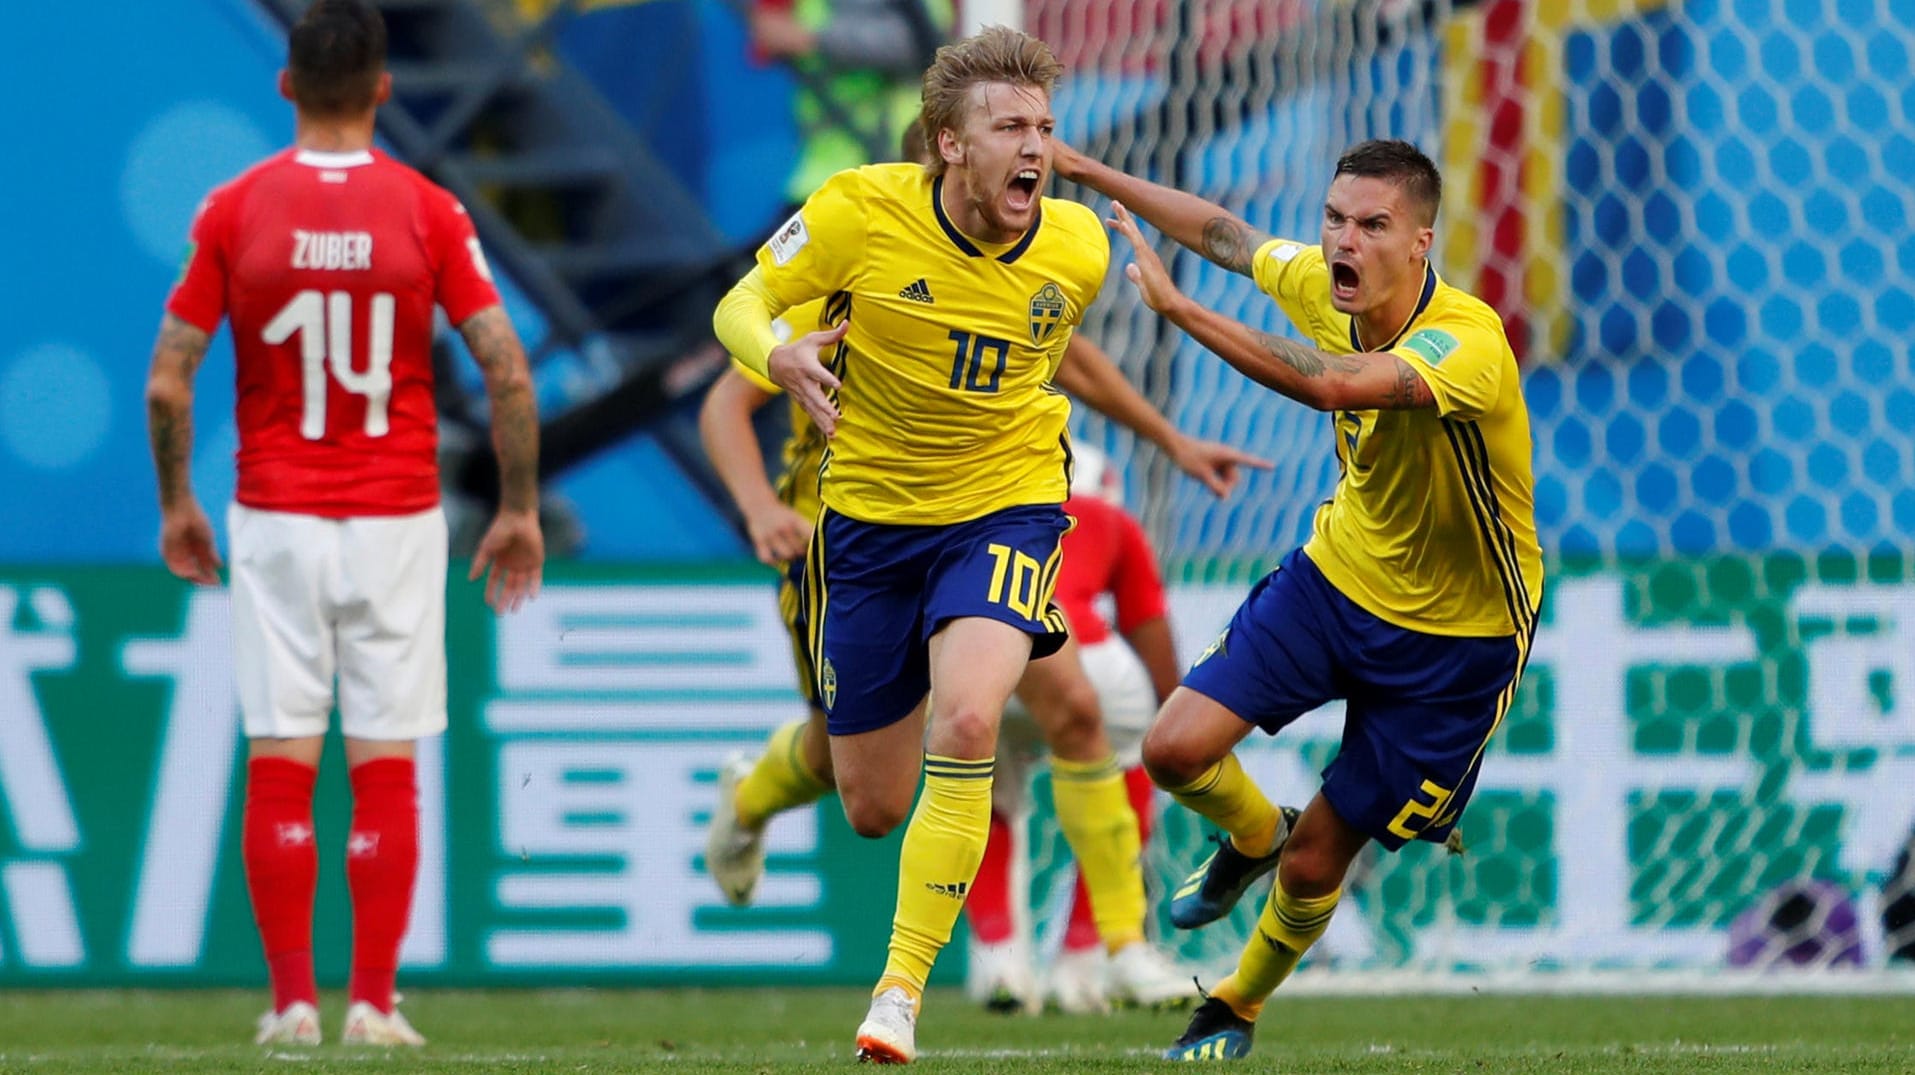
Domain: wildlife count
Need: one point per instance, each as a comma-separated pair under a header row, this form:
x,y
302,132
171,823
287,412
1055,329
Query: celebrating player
x,y
933,561
1415,598
327,260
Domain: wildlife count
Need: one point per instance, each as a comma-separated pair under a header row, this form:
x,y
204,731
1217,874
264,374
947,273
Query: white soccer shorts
x,y
1125,695
360,601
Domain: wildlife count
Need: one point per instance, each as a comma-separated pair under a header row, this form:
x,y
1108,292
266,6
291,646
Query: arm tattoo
x,y
1410,392
515,418
169,404
1231,243
1306,360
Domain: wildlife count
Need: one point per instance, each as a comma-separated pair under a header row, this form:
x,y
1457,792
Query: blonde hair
x,y
997,54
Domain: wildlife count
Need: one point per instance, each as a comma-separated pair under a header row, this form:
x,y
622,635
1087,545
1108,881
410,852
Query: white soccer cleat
x,y
297,1025
1143,976
1000,978
889,1033
1075,985
367,1025
734,854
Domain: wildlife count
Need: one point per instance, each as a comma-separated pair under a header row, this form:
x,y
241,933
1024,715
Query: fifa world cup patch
x,y
1047,311
1433,344
790,239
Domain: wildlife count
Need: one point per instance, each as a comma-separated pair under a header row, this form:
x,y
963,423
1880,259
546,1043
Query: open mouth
x,y
1023,189
1343,280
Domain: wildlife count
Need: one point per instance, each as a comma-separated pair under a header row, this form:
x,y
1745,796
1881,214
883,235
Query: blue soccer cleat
x,y
1213,888
1215,1033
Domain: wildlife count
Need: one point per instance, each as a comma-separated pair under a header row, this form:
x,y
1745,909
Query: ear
x,y
1425,238
383,92
286,84
949,147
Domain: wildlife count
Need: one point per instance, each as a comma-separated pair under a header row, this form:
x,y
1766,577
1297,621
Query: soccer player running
x,y
1415,597
932,564
327,259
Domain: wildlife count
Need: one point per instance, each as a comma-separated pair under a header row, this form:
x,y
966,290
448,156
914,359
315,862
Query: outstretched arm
x,y
1199,225
777,533
186,535
1319,379
513,548
1090,375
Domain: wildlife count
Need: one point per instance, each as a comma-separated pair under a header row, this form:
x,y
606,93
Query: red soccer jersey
x,y
328,266
1106,553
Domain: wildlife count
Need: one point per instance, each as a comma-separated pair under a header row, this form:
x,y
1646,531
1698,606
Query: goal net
x,y
1694,219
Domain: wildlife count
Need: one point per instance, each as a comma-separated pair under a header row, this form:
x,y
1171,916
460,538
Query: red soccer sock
x,y
382,861
1081,933
989,903
276,845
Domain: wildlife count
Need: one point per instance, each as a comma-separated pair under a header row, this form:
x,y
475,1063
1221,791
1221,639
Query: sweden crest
x,y
1047,312
828,684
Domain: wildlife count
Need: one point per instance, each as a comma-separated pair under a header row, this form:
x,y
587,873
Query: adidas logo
x,y
917,291
953,889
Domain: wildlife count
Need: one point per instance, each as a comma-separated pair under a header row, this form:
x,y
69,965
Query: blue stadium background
x,y
1738,190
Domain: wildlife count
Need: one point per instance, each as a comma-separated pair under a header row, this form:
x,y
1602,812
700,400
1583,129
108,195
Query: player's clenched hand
x,y
1146,269
512,557
186,544
1217,466
796,368
778,534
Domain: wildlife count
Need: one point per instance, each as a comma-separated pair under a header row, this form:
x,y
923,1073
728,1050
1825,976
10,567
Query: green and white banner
x,y
1689,736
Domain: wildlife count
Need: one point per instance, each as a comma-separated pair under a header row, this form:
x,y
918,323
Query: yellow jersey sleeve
x,y
798,320
1463,363
821,248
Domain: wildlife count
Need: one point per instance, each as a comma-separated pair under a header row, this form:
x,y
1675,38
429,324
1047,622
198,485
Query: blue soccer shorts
x,y
1420,707
876,593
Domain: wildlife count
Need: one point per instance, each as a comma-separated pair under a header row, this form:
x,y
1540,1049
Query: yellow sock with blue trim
x,y
1093,809
780,780
1287,928
943,845
1226,795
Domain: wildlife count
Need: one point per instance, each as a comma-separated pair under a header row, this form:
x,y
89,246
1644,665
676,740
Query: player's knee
x,y
965,730
1078,722
1173,761
872,817
1310,867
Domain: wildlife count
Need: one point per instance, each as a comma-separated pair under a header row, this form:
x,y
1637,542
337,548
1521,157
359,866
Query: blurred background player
x,y
795,768
328,259
1415,598
857,63
1106,557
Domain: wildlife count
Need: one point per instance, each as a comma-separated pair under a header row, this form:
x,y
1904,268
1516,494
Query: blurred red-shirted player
x,y
327,260
1130,671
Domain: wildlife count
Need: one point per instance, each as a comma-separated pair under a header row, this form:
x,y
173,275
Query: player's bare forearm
x,y
515,415
177,355
1315,378
1154,646
731,442
1197,224
1093,377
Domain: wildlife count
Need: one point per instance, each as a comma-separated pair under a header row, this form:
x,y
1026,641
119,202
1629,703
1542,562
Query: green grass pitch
x,y
808,1030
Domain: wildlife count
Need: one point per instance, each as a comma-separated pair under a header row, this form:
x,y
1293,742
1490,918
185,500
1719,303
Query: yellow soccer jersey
x,y
946,409
1432,526
804,449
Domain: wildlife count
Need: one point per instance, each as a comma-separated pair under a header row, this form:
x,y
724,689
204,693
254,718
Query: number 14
x,y
323,323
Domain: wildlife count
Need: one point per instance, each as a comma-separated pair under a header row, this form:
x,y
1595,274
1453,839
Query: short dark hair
x,y
335,56
1398,162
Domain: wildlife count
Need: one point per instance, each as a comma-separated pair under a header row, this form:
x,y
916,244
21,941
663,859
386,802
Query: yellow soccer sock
x,y
943,845
1093,809
1287,928
1227,796
780,780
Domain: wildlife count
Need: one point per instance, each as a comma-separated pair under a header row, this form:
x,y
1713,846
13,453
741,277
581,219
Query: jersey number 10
x,y
968,370
323,323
